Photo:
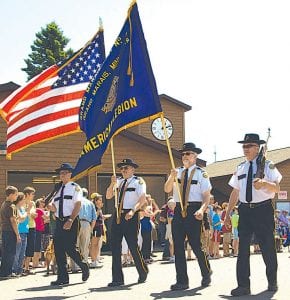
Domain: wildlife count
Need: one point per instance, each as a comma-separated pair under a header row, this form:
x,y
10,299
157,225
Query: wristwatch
x,y
70,220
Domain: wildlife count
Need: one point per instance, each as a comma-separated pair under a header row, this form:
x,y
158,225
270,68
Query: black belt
x,y
254,205
62,219
85,220
124,211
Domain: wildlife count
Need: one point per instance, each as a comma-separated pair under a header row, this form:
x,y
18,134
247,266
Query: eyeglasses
x,y
186,153
246,146
124,168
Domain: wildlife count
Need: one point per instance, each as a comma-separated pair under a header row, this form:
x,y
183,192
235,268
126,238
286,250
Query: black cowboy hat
x,y
127,162
252,138
65,166
190,147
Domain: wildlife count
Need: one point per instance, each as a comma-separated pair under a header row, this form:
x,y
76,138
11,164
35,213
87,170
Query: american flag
x,y
48,105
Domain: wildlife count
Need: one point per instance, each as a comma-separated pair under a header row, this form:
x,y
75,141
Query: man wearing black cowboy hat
x,y
256,214
66,205
131,191
194,190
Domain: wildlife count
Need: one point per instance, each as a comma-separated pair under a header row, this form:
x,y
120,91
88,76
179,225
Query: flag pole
x,y
100,24
115,187
172,163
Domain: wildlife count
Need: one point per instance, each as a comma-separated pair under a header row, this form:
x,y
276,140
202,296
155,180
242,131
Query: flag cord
x,y
130,64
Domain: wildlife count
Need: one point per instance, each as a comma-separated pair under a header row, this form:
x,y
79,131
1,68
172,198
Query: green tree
x,y
47,50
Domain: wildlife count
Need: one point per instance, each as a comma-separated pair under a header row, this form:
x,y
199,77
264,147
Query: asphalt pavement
x,y
157,286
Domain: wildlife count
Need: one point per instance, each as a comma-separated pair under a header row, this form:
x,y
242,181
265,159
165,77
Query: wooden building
x,y
35,165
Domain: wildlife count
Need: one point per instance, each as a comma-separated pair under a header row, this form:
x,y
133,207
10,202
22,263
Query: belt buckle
x,y
252,205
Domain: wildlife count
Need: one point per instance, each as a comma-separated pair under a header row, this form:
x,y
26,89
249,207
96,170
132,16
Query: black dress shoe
x,y
273,287
115,283
142,278
179,287
86,272
206,280
241,291
59,282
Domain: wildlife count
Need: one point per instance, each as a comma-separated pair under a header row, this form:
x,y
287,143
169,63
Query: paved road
x,y
157,286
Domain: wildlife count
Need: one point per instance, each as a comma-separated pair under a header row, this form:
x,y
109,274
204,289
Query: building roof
x,y
8,86
179,103
226,167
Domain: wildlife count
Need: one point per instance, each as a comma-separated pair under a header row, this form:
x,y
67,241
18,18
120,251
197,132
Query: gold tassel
x,y
132,80
129,70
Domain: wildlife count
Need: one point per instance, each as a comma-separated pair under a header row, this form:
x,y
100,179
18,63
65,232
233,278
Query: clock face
x,y
157,129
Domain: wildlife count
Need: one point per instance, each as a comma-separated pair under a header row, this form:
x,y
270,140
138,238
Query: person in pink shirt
x,y
39,226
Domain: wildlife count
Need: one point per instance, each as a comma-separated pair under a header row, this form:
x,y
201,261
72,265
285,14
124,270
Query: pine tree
x,y
47,50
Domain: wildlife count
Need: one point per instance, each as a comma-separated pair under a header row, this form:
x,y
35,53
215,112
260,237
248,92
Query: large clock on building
x,y
157,129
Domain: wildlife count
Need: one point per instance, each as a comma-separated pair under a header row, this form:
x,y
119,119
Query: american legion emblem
x,y
111,99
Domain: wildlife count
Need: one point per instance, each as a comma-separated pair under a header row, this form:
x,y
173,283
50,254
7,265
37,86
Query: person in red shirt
x,y
39,227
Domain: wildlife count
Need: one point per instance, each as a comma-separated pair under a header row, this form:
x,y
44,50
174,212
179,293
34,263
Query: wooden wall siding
x,y
149,160
284,169
3,130
48,155
221,185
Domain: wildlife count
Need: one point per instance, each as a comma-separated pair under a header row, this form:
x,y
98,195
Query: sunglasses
x,y
249,146
124,168
186,153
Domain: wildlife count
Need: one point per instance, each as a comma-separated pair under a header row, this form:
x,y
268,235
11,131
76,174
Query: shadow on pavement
x,y
44,298
166,262
177,294
49,287
265,295
116,288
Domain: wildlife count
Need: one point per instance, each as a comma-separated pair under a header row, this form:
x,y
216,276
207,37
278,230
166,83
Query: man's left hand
x,y
67,225
129,215
199,214
258,183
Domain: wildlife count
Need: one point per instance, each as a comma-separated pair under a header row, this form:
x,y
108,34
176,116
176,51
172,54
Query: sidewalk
x,y
157,286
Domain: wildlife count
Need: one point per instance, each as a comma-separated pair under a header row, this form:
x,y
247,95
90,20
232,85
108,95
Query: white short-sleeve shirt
x,y
239,181
200,184
72,193
136,187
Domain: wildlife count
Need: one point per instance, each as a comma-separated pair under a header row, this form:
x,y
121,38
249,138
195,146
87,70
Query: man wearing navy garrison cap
x,y
66,205
194,187
254,184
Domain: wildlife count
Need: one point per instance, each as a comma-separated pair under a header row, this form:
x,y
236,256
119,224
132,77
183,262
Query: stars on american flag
x,y
84,67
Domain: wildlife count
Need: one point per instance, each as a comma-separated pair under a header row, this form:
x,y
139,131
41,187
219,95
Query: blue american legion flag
x,y
123,94
48,105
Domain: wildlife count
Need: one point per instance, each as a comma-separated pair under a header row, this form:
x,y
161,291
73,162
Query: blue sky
x,y
229,60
